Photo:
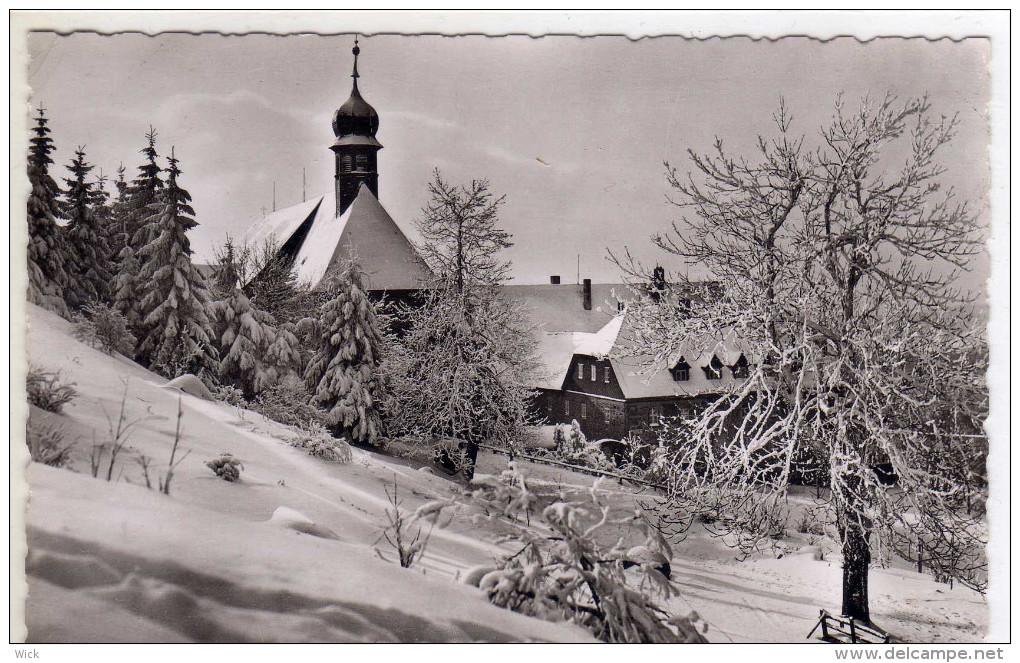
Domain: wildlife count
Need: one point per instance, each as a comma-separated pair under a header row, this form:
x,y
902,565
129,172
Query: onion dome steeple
x,y
356,116
354,125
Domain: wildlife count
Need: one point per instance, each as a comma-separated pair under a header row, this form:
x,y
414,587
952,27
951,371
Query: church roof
x,y
280,225
364,231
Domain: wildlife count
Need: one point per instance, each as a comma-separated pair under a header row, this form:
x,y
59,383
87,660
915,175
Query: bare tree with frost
x,y
837,263
460,371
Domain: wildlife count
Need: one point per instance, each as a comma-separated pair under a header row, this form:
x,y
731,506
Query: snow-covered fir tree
x,y
121,184
88,248
46,252
343,372
254,352
123,289
175,334
142,195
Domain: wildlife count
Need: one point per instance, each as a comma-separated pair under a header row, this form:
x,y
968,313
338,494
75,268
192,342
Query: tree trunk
x,y
469,458
855,533
856,560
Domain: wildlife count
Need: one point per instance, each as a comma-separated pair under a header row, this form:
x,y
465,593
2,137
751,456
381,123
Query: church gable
x,y
366,232
384,253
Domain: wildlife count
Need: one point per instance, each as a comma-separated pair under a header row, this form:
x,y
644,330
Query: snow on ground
x,y
289,552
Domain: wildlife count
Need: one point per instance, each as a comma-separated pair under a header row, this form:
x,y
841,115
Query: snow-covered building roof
x,y
319,242
559,308
557,349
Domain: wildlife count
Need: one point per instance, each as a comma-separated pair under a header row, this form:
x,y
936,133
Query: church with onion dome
x,y
577,327
318,236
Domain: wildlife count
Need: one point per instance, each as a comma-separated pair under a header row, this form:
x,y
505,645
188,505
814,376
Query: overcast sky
x,y
573,131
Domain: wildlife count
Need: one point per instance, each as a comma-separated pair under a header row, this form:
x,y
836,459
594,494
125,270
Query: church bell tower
x,y
354,125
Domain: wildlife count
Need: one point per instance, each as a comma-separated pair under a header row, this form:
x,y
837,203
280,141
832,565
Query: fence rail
x,y
571,466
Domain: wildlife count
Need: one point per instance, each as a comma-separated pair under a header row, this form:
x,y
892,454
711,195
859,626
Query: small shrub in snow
x,y
46,444
565,572
559,439
105,327
46,391
321,445
403,530
226,467
287,402
812,521
230,395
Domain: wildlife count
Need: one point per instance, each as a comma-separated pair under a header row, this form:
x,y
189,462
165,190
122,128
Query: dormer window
x,y
681,372
740,369
714,369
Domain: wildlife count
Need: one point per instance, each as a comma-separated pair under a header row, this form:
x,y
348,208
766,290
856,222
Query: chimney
x,y
587,294
554,279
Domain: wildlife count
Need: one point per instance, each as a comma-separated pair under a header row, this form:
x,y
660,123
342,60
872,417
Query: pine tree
x,y
87,244
121,184
46,268
254,353
176,336
123,289
143,197
343,372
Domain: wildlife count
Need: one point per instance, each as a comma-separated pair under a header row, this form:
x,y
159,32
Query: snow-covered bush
x,y
813,521
226,467
321,445
229,394
46,391
288,403
569,571
106,327
559,439
46,444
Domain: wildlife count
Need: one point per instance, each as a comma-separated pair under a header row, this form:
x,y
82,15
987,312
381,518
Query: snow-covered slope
x,y
115,561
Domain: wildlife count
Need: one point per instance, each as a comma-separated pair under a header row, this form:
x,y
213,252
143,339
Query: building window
x,y
609,416
566,407
584,410
594,373
740,369
347,164
681,372
620,306
607,372
362,161
653,415
580,371
714,369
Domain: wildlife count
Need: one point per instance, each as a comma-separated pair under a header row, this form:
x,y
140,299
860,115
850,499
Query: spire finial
x,y
356,50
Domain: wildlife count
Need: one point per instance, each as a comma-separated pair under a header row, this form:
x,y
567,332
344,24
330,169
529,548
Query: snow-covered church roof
x,y
322,241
